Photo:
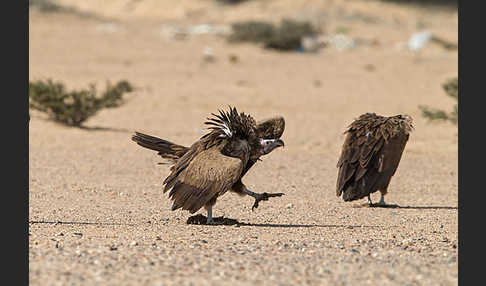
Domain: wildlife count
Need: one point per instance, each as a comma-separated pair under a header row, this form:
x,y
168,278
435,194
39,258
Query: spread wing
x,y
201,176
271,128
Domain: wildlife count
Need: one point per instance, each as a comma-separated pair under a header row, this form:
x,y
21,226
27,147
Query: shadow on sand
x,y
78,223
82,127
391,206
96,128
200,219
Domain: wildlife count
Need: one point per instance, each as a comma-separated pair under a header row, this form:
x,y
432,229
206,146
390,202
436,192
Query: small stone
x,y
133,243
233,58
208,55
369,67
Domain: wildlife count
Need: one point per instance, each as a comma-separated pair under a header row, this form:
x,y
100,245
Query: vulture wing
x,y
272,128
212,165
209,174
370,156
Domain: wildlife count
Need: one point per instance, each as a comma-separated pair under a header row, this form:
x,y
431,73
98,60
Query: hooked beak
x,y
270,144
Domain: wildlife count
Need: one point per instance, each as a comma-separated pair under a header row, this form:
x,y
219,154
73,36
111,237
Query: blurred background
x,y
319,63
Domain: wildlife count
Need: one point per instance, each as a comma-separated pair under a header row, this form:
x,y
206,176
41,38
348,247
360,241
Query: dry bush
x,y
74,107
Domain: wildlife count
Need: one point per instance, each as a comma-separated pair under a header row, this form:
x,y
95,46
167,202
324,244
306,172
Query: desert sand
x,y
97,214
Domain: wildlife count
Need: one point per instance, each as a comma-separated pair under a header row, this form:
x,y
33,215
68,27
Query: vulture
x,y
370,155
216,163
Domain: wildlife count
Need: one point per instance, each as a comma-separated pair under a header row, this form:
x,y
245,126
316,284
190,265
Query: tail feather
x,y
165,149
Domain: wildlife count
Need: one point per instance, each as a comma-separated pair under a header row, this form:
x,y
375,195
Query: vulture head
x,y
405,122
242,135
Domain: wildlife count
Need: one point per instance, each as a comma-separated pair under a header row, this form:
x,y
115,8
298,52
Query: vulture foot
x,y
264,197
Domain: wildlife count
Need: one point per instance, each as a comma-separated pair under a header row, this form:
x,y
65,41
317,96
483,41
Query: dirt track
x,y
98,215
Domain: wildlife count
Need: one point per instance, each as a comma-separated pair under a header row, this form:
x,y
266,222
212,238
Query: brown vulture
x,y
217,161
370,155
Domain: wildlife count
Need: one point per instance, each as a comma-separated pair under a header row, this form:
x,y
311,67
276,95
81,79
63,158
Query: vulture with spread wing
x,y
217,161
370,155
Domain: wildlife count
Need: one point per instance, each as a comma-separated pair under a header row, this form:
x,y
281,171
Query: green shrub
x,y
451,87
289,35
251,31
74,107
285,37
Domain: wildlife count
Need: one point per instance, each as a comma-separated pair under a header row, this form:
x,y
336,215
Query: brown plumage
x,y
217,162
370,155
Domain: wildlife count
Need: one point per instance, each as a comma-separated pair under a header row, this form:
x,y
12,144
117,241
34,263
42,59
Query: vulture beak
x,y
270,144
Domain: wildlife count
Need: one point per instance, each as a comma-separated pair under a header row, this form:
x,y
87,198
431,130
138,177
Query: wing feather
x,y
370,155
208,174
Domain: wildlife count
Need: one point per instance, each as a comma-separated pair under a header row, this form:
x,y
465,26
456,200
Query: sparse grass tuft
x,y
48,6
451,87
74,107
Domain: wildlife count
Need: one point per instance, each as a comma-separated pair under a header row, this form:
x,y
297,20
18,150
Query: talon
x,y
264,197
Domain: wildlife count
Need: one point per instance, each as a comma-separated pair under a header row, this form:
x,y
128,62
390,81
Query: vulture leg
x,y
210,215
382,200
260,197
369,201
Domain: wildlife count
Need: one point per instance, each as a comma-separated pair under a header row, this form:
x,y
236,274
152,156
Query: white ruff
x,y
226,131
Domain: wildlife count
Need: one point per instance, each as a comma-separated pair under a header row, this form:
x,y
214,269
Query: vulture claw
x,y
264,197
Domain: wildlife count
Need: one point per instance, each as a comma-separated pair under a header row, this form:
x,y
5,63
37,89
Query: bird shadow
x,y
393,206
200,219
78,223
306,225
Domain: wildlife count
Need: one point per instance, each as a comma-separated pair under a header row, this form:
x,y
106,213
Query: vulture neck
x,y
237,148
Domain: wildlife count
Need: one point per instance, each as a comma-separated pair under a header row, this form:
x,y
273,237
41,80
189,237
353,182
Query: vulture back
x,y
371,153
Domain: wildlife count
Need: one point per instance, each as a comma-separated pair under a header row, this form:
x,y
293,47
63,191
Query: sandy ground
x,y
96,210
